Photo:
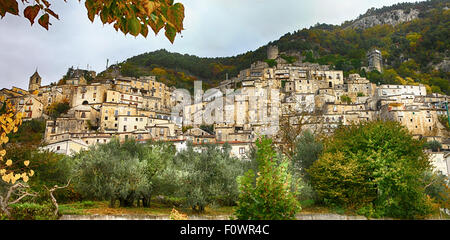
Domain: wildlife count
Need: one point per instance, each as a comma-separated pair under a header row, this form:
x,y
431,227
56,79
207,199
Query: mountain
x,y
413,38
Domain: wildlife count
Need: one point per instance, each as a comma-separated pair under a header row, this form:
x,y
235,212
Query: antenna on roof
x,y
107,63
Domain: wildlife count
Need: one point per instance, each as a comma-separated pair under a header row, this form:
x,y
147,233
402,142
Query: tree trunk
x,y
112,202
122,202
146,201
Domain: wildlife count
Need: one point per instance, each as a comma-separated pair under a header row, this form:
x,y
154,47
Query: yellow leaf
x,y
5,178
26,163
9,163
31,173
2,171
3,152
25,178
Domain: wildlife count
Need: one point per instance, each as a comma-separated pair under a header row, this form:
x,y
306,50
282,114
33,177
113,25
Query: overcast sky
x,y
213,28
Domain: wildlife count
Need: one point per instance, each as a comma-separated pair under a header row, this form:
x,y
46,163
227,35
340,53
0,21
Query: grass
x,y
156,208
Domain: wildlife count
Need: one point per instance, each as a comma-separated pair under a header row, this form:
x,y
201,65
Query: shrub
x,y
33,211
434,145
346,99
376,163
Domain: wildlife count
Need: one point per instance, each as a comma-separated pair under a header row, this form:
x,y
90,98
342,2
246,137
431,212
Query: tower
x,y
375,60
35,82
272,52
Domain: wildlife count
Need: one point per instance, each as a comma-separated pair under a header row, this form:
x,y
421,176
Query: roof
x,y
35,74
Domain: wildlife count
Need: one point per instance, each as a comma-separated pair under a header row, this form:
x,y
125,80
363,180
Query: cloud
x,y
213,28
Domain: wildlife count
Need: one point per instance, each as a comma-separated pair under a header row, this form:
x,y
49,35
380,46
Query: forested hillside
x,y
414,51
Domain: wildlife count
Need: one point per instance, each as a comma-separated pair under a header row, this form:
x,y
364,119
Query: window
x,y
58,148
241,150
106,118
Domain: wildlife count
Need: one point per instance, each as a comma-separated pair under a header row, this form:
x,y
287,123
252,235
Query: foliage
x,y
207,128
133,17
271,62
29,133
175,215
32,211
49,169
209,176
443,119
376,163
269,196
307,150
56,109
346,99
126,171
11,171
437,188
288,59
433,145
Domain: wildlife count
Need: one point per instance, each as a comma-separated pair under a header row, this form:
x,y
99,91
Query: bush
x,y
375,163
346,99
434,145
33,211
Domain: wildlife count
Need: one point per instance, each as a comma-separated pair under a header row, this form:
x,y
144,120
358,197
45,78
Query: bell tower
x,y
35,82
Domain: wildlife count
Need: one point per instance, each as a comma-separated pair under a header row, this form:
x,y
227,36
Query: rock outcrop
x,y
393,18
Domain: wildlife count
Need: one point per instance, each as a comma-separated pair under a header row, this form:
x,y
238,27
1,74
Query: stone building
x,y
35,82
375,60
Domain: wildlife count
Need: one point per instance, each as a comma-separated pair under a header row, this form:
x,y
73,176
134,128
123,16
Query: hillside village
x,y
237,111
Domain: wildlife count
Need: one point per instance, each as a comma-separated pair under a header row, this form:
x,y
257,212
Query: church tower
x,y
35,82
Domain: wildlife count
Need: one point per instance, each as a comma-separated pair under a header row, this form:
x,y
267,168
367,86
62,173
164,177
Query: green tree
x,y
209,176
111,171
307,150
375,164
269,196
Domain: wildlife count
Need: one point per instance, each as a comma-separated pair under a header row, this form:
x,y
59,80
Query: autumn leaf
x,y
144,30
134,26
175,15
43,21
9,6
156,25
31,12
170,33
